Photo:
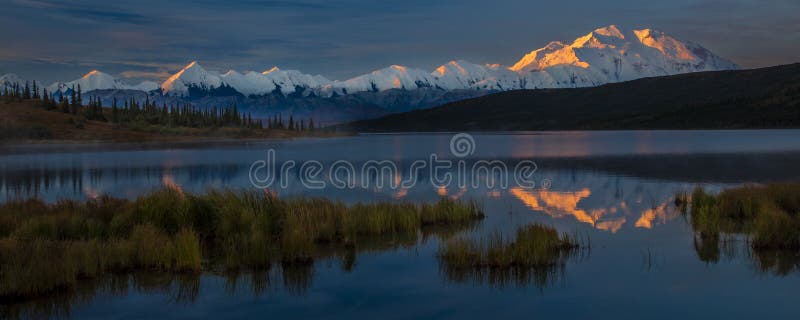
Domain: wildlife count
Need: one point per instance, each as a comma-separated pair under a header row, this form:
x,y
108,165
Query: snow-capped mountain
x,y
392,77
289,80
9,79
610,55
604,55
191,76
250,83
96,80
145,86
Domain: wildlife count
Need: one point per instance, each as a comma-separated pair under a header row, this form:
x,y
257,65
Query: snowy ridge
x,y
392,77
604,55
191,76
96,80
289,80
10,79
610,55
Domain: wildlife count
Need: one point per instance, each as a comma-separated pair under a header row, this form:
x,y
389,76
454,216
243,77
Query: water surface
x,y
614,188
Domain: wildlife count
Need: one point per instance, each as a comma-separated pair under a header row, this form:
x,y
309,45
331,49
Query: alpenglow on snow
x,y
605,55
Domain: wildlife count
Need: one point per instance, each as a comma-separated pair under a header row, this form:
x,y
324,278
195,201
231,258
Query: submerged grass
x,y
768,215
537,254
46,248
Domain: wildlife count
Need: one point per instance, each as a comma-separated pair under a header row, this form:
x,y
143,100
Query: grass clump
x,y
50,247
537,254
768,215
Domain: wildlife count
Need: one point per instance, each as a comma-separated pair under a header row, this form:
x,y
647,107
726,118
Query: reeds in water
x,y
537,254
46,248
767,215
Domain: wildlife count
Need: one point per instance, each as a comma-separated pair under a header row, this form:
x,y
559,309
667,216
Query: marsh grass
x,y
767,215
47,248
537,254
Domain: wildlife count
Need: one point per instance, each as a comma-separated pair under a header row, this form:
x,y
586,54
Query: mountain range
x,y
605,55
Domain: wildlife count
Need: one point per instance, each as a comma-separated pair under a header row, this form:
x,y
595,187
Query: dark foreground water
x,y
615,189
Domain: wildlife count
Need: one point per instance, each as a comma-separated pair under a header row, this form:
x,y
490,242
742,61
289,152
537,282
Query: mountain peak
x,y
610,31
604,37
399,68
609,54
531,61
10,78
231,72
271,70
193,75
93,73
686,52
191,67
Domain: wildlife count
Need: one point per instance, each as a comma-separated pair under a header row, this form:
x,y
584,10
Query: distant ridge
x,y
757,98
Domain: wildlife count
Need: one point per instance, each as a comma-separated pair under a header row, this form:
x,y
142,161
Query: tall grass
x,y
768,215
46,248
537,254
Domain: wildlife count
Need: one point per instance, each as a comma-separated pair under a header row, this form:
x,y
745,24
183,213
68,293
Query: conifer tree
x,y
80,97
26,94
45,99
65,106
114,116
73,101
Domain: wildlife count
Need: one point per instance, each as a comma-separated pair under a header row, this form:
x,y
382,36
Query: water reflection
x,y
564,204
292,277
603,201
616,187
537,277
713,249
178,289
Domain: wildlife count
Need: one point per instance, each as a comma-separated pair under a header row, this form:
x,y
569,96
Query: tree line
x,y
131,111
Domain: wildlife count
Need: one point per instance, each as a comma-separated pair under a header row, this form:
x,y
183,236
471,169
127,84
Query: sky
x,y
148,39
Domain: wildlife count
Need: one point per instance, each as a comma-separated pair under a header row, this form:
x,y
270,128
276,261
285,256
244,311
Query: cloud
x,y
249,4
93,12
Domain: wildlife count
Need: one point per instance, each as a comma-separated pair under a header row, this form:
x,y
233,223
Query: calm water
x,y
614,188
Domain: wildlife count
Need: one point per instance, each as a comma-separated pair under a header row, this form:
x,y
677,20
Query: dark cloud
x,y
88,12
260,4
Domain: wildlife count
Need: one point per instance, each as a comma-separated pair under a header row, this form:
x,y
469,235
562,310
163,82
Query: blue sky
x,y
61,40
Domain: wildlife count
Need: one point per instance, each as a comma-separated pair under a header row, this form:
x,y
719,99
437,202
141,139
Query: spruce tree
x,y
45,99
26,94
65,106
114,111
80,97
73,101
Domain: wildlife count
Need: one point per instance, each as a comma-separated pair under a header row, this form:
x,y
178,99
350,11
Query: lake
x,y
615,190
